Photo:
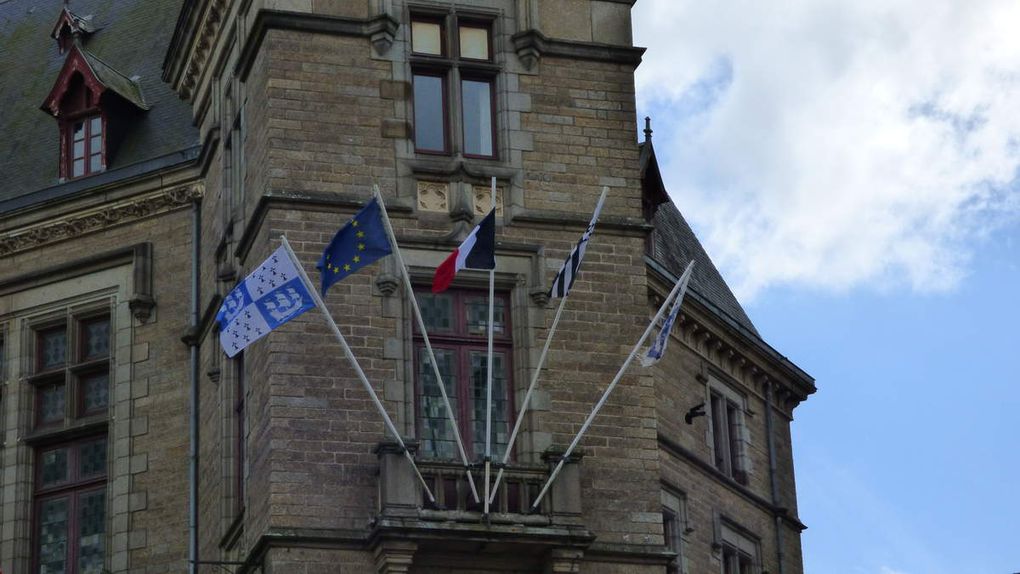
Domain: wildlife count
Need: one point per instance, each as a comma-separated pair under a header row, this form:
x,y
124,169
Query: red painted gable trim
x,y
74,63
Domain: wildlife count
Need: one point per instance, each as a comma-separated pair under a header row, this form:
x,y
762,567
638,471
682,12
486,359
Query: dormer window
x,y
86,146
92,103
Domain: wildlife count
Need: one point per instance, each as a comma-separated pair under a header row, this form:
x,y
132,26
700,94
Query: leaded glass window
x,y
72,380
70,509
457,327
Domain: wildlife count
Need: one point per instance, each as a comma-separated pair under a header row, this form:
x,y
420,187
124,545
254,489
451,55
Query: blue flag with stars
x,y
360,242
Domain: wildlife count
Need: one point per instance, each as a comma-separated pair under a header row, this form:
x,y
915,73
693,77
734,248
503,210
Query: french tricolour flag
x,y
478,251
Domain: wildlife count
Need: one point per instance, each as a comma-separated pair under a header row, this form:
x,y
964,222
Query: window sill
x,y
83,426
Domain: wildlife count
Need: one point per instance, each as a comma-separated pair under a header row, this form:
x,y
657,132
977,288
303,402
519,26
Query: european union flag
x,y
360,242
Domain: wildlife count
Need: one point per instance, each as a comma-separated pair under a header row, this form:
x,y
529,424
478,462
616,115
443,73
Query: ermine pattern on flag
x,y
269,297
571,266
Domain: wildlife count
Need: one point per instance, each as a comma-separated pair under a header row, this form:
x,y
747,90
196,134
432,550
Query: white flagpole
x,y
538,370
354,363
425,336
488,374
605,395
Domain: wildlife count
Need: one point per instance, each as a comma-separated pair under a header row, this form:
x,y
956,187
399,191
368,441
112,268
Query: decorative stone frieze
x,y
97,220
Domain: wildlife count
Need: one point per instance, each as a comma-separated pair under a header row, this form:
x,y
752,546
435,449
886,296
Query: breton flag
x,y
360,242
269,297
654,353
571,266
478,251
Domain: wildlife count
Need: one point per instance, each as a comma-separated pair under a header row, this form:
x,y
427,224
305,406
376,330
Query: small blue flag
x,y
652,354
271,295
360,242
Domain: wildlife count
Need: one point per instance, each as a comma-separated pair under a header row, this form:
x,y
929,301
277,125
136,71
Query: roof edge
x,y
802,377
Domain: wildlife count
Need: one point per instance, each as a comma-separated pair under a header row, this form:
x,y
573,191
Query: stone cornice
x,y
531,45
733,351
191,46
100,218
380,29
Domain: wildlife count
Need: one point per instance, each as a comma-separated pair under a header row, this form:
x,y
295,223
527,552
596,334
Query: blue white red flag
x,y
273,294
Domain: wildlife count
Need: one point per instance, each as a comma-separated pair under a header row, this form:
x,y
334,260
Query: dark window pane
x,y
437,438
477,117
478,317
79,131
54,467
95,339
95,392
429,115
51,404
500,434
92,528
92,458
53,536
436,311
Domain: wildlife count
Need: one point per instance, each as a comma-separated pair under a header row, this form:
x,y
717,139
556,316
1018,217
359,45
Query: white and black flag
x,y
571,266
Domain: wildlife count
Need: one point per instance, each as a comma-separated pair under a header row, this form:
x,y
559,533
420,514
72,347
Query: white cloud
x,y
835,143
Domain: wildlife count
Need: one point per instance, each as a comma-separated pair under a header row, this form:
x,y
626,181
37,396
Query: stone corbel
x,y
141,302
381,32
394,556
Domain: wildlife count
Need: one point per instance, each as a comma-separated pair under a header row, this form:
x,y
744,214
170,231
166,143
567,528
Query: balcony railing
x,y
401,495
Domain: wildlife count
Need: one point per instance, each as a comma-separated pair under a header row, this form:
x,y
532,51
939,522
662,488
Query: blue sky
x,y
852,168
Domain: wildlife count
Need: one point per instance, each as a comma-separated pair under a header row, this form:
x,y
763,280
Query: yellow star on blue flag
x,y
357,244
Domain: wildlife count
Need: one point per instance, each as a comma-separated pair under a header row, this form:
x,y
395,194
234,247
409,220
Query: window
x,y
739,552
454,85
239,434
674,528
70,507
457,323
72,370
730,436
86,146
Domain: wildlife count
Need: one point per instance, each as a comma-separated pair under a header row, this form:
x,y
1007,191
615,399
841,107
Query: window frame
x,y
454,69
73,372
460,340
727,441
73,488
678,514
735,541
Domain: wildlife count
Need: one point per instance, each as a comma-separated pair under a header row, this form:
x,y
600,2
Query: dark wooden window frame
x,y
463,343
239,438
454,69
76,367
74,488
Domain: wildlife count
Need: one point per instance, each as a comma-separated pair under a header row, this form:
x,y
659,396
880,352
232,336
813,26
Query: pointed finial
x,y
648,129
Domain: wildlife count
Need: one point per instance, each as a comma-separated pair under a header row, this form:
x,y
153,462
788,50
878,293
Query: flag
x,y
568,273
360,242
654,353
478,251
269,297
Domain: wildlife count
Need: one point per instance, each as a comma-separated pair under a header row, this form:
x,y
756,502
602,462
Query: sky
x,y
853,169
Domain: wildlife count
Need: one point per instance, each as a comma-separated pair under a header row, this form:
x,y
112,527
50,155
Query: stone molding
x,y
99,219
532,45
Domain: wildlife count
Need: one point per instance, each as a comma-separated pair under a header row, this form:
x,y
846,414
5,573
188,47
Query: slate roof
x,y
127,51
674,245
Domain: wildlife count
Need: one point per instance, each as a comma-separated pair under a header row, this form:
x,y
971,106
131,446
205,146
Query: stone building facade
x,y
158,150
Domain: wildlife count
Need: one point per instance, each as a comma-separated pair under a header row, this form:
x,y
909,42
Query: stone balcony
x,y
407,520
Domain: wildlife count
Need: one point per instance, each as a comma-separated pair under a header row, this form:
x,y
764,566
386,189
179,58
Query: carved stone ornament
x,y
88,222
481,198
434,196
386,283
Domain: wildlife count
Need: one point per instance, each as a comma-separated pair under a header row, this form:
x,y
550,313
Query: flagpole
x,y
538,370
527,395
354,363
605,395
488,365
425,336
